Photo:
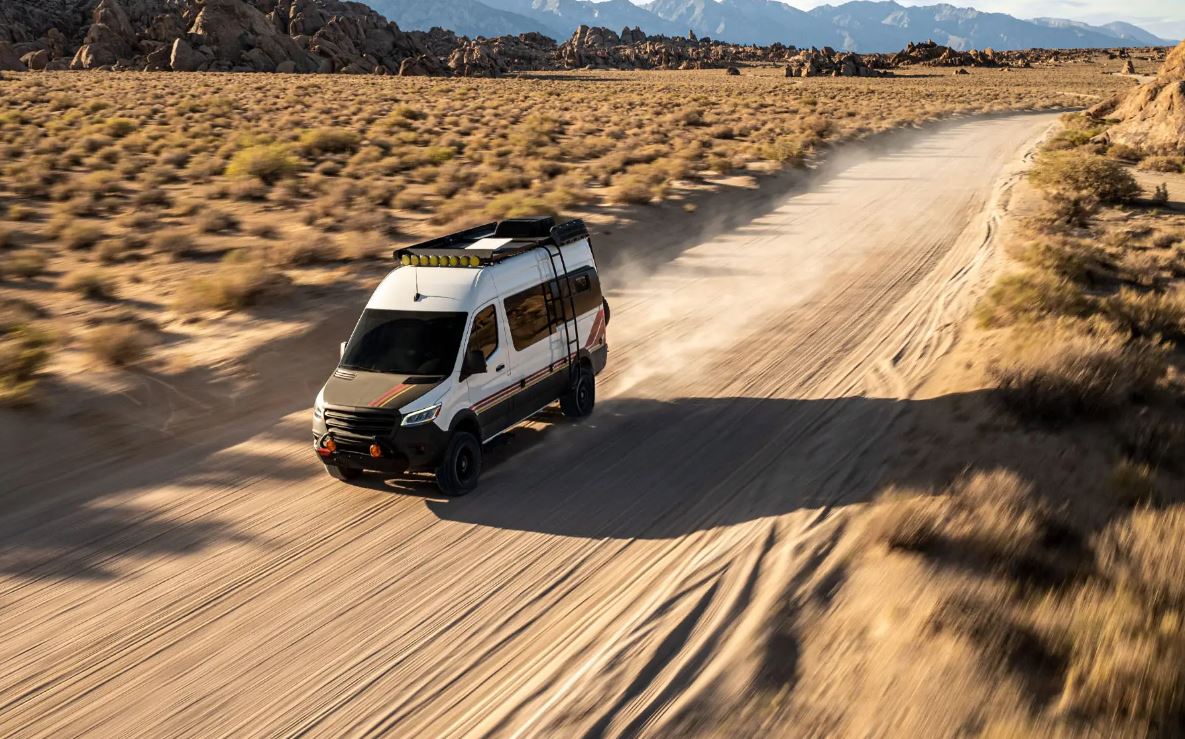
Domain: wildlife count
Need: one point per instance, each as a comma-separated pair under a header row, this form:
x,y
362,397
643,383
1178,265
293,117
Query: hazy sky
x,y
1163,17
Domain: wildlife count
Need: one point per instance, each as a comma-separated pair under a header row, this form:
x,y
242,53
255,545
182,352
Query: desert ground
x,y
785,518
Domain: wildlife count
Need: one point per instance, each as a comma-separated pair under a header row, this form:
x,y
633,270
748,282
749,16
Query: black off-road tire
x,y
345,474
579,401
461,467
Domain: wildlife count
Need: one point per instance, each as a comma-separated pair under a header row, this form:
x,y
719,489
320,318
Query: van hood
x,y
377,389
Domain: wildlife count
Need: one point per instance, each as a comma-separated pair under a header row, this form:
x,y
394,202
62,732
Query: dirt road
x,y
615,577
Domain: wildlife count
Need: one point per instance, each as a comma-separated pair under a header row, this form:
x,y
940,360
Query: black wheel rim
x,y
464,465
583,394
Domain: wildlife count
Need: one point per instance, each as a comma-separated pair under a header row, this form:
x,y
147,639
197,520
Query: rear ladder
x,y
555,310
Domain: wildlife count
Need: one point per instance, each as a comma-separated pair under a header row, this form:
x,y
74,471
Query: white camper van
x,y
469,335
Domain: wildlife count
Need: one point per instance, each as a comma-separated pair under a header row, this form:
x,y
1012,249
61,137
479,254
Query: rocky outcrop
x,y
591,47
1152,116
216,35
931,54
494,57
827,62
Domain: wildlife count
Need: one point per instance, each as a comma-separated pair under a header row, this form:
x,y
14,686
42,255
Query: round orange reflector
x,y
376,451
330,444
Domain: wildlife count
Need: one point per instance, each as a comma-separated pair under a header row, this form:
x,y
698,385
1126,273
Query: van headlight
x,y
318,411
421,417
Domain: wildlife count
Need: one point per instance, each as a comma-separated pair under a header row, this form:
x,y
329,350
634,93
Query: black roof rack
x,y
524,234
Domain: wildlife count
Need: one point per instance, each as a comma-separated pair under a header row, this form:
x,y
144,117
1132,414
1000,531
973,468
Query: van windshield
x,y
405,342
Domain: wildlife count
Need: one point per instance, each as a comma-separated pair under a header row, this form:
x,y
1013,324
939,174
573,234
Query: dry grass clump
x,y
1166,164
306,251
238,283
118,344
216,221
23,264
1149,314
1085,174
1127,640
989,521
329,141
266,162
81,235
90,283
24,351
1134,483
1031,295
1071,376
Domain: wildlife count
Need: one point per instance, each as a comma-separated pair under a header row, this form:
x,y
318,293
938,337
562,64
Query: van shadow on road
x,y
655,469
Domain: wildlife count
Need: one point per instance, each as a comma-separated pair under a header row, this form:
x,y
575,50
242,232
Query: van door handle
x,y
499,368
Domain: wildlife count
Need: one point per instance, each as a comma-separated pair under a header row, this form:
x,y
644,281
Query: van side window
x,y
586,292
484,335
526,312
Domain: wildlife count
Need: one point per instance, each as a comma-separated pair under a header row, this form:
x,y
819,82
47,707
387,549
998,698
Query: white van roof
x,y
506,260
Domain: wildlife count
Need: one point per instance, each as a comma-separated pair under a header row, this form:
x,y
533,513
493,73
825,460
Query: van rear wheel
x,y
578,402
458,471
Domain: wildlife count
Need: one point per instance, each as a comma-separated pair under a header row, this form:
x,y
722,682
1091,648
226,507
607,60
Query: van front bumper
x,y
415,449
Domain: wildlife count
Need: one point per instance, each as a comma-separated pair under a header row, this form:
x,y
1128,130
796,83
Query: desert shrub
x,y
1031,295
80,236
1125,153
266,162
1127,654
1158,441
907,520
518,205
117,128
1164,164
992,520
237,283
1061,210
1078,377
8,237
216,221
409,200
24,350
329,141
1079,262
1089,174
634,189
1148,314
306,251
118,344
1160,194
175,242
22,264
786,149
1134,483
89,283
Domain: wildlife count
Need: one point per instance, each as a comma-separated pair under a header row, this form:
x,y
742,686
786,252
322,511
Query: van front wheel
x,y
461,466
345,474
578,402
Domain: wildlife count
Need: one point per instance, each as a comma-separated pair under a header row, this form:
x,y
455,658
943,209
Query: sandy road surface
x,y
615,579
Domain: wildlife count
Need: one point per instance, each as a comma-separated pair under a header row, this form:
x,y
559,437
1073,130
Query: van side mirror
x,y
341,351
474,364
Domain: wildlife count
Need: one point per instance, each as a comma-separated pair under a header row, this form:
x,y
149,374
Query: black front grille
x,y
360,426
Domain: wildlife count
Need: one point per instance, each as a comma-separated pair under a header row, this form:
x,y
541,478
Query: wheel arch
x,y
466,420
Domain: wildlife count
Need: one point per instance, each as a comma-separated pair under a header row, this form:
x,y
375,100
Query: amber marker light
x,y
376,451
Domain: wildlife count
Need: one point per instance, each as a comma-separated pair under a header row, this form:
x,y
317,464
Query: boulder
x,y
109,38
286,67
1151,116
10,61
1129,67
733,72
36,61
184,58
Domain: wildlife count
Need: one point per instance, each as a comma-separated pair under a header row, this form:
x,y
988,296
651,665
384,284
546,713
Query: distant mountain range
x,y
860,25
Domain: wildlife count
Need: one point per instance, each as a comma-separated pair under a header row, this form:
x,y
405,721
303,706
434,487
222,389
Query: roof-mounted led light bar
x,y
522,234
